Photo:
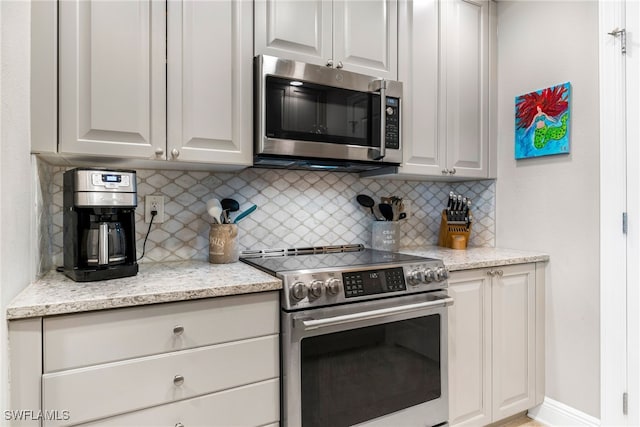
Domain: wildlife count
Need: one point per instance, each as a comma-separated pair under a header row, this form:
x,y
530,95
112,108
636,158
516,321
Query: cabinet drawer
x,y
77,340
116,388
252,405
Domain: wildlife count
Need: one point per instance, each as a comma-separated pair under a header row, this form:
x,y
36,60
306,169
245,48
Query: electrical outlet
x,y
408,207
154,203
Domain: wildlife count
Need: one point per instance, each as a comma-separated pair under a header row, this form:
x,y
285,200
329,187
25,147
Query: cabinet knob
x,y
179,425
491,273
499,272
339,66
178,330
178,380
330,63
175,153
452,171
445,171
159,151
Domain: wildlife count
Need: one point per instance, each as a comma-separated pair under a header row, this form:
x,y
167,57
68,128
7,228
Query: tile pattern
x,y
295,209
44,214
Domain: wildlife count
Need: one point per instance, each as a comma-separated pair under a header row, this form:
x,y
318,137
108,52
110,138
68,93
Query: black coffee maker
x,y
99,224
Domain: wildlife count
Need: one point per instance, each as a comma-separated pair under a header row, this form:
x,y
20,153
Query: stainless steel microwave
x,y
313,117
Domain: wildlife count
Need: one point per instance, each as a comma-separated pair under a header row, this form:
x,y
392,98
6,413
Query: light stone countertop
x,y
188,280
466,259
155,283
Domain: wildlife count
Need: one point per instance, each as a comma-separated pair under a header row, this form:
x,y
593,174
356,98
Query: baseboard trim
x,y
554,413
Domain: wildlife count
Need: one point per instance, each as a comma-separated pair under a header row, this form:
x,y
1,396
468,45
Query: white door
x,y
112,78
470,348
619,192
424,152
210,81
365,37
513,291
465,80
294,29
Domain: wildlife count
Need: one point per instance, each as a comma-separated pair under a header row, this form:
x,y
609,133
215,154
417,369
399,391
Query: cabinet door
x,y
294,29
210,81
112,92
423,152
514,350
365,37
465,80
470,348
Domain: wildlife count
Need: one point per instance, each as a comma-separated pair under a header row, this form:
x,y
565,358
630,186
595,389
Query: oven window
x,y
311,112
357,375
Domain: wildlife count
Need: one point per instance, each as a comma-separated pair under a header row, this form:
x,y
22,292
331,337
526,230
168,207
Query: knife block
x,y
454,235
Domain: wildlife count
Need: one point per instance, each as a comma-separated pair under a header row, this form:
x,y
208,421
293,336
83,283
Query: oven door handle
x,y
311,324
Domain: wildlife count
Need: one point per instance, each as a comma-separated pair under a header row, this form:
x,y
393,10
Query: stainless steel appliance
x,y
364,336
99,224
313,117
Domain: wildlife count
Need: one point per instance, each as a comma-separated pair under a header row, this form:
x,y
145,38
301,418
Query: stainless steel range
x,y
364,336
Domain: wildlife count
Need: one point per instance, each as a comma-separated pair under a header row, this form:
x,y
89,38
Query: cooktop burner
x,y
316,277
293,262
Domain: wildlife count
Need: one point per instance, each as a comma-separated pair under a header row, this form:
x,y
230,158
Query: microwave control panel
x,y
392,134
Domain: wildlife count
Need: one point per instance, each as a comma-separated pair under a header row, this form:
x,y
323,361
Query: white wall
x,y
552,204
15,168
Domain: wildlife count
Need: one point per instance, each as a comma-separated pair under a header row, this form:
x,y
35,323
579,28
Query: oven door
x,y
374,363
308,111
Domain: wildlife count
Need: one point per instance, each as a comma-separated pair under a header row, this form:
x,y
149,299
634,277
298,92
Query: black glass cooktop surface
x,y
365,257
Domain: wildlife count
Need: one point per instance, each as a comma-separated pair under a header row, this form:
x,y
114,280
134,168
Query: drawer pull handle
x,y
178,380
178,330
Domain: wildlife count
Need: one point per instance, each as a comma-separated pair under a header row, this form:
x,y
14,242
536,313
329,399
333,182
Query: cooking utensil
x,y
244,214
214,208
228,205
367,202
386,211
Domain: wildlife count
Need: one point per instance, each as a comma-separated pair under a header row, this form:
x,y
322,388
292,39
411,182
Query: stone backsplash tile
x,y
295,209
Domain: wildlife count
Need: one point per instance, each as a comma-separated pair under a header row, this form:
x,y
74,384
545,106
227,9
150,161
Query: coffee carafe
x,y
99,224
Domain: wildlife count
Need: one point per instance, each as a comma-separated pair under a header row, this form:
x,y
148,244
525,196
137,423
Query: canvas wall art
x,y
542,122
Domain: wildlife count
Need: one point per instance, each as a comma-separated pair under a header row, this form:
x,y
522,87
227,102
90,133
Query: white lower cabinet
x,y
190,363
253,405
496,345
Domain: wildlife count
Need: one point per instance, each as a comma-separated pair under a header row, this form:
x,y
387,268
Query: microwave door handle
x,y
311,324
383,115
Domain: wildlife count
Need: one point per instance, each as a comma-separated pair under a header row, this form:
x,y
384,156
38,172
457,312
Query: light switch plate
x,y
154,203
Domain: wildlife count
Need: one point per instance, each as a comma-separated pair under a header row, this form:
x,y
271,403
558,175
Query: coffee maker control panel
x,y
104,180
110,180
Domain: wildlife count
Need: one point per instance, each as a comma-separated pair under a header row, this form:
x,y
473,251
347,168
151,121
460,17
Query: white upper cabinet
x,y
112,77
298,30
465,83
365,37
445,64
357,35
210,81
156,80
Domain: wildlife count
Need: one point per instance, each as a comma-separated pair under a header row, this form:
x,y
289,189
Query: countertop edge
x,y
73,307
495,263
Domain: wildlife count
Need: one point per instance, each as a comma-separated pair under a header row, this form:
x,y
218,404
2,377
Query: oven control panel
x,y
371,282
304,289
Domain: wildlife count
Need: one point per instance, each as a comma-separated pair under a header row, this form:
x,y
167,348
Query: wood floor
x,y
519,421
